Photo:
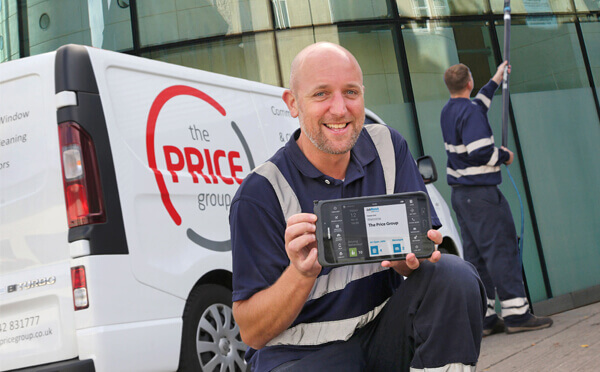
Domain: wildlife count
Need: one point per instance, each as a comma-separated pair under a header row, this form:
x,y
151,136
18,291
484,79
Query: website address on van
x,y
25,337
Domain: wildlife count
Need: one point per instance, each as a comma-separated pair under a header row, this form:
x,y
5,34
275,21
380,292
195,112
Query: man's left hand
x,y
411,263
499,75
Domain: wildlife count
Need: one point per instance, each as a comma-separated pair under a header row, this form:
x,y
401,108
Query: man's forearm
x,y
269,312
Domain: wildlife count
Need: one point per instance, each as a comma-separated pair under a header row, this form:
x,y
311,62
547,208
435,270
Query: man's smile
x,y
336,125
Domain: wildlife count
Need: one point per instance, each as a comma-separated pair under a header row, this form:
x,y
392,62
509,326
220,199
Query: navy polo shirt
x,y
258,226
473,159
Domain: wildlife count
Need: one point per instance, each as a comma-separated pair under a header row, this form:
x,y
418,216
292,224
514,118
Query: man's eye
x,y
319,94
351,92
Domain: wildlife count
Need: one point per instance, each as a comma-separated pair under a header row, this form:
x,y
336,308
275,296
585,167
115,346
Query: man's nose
x,y
338,105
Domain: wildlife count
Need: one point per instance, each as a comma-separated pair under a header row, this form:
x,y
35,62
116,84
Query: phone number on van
x,y
14,325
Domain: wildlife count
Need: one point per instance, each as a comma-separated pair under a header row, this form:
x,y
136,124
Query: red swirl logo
x,y
211,161
157,105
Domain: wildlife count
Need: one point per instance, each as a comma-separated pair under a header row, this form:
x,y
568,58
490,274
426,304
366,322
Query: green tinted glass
x,y
250,57
591,37
169,21
533,6
294,13
559,131
48,25
440,8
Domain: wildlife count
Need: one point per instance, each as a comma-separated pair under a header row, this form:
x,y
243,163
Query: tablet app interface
x,y
364,230
387,229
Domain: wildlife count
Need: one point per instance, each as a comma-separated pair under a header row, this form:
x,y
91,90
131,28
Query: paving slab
x,y
571,344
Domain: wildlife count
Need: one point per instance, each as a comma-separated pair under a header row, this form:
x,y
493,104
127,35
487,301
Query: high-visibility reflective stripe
x,y
514,302
382,138
452,367
491,304
472,171
459,149
486,101
339,277
515,306
322,332
515,311
479,144
494,158
287,198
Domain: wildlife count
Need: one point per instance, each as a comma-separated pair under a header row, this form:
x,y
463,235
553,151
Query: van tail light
x,y
80,295
81,178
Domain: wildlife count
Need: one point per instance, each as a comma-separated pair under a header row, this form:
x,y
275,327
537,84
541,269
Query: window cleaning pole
x,y
505,116
505,119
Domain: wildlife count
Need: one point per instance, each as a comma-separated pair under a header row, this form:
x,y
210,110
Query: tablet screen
x,y
372,229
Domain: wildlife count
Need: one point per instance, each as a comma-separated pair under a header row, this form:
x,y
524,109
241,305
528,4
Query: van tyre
x,y
210,339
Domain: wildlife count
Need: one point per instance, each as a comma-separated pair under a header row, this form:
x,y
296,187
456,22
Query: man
x,y
297,316
486,223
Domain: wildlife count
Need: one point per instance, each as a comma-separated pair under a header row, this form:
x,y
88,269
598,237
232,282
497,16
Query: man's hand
x,y
272,310
511,157
499,75
301,244
411,263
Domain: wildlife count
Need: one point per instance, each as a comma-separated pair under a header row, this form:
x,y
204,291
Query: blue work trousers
x,y
433,319
490,244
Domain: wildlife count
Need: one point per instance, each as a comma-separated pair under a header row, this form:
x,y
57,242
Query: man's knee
x,y
455,277
455,268
447,312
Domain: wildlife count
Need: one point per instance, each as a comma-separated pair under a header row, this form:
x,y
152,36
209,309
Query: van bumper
x,y
147,346
73,365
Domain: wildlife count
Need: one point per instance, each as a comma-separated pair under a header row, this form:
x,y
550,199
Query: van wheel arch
x,y
220,277
448,246
210,336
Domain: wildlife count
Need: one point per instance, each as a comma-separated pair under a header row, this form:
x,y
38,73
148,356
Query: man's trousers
x,y
490,244
433,319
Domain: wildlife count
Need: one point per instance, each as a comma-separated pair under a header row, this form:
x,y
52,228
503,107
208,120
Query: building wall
x,y
404,47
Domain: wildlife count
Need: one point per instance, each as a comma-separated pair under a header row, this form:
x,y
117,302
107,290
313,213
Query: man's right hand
x,y
511,156
301,244
272,310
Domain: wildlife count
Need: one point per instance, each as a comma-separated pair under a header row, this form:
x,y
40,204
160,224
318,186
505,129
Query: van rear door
x,y
36,302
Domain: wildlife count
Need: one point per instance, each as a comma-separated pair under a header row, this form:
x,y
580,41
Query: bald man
x,y
298,316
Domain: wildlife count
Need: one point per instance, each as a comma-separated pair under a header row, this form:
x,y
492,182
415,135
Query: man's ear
x,y
470,85
290,101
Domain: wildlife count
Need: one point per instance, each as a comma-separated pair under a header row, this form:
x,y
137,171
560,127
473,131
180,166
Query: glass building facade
x,y
404,47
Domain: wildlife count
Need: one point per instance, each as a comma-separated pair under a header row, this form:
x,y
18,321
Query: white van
x,y
116,177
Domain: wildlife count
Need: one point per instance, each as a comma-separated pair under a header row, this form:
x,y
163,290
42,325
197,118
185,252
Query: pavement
x,y
571,344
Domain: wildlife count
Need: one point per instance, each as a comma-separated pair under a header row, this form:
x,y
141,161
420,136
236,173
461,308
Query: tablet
x,y
373,228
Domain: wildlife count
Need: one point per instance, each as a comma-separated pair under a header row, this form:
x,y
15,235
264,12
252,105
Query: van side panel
x,y
36,303
182,140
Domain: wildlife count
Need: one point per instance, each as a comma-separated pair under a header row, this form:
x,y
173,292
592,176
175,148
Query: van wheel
x,y
211,339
